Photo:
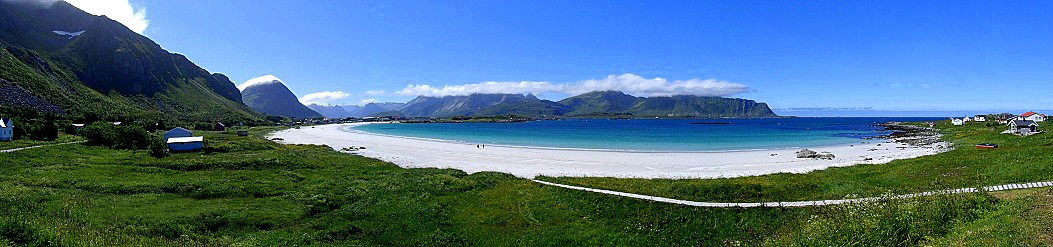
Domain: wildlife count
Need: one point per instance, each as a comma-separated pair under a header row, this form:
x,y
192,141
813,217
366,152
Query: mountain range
x,y
599,103
343,111
58,58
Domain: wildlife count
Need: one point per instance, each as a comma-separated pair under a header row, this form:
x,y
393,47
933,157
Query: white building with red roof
x,y
1033,116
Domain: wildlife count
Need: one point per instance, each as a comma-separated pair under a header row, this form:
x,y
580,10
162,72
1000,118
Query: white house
x,y
957,121
980,118
185,143
7,130
1033,116
1023,127
177,132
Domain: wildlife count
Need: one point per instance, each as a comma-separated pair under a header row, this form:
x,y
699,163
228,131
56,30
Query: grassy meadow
x,y
248,191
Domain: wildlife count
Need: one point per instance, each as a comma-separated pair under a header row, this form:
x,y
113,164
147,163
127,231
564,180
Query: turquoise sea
x,y
650,135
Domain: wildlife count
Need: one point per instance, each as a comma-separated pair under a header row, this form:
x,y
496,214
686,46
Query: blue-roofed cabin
x,y
178,132
185,143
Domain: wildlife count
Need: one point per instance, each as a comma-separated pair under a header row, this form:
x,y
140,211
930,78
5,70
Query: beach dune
x,y
530,162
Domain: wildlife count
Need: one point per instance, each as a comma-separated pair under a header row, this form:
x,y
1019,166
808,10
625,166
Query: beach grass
x,y
253,192
1017,160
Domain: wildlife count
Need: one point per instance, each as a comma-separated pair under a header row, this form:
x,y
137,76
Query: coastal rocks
x,y
352,149
911,135
807,154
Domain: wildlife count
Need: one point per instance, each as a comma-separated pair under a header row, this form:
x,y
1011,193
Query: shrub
x,y
131,137
99,133
124,137
39,130
157,147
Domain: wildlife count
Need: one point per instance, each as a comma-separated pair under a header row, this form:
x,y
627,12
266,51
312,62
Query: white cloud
x,y
375,92
37,3
639,86
323,97
628,83
485,87
119,10
259,80
367,101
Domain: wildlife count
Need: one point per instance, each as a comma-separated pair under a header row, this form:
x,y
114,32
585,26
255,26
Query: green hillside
x,y
612,102
474,104
599,103
107,70
273,97
526,108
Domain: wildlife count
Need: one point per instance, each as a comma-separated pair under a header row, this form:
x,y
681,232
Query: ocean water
x,y
651,135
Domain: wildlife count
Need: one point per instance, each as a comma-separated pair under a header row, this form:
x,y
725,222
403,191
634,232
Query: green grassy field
x,y
1019,159
249,191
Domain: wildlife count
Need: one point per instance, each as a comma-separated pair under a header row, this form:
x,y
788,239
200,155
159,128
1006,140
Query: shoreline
x,y
529,162
594,149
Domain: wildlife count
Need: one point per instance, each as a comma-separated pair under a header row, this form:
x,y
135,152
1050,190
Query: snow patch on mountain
x,y
70,34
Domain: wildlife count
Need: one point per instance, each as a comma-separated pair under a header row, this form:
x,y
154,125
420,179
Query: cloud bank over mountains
x,y
628,83
259,80
323,98
118,10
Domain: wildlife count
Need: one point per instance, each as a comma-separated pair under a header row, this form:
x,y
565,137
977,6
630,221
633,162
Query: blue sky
x,y
816,56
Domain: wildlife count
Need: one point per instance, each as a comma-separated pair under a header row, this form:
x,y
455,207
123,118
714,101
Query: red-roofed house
x,y
1033,116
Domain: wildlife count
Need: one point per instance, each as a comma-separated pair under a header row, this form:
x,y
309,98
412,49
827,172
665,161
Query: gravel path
x,y
798,203
16,149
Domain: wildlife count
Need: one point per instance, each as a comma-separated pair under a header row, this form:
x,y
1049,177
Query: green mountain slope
x,y
696,106
474,104
107,69
525,108
610,102
275,98
599,103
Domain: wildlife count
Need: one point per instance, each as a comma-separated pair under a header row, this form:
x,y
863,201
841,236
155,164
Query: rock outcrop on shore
x,y
911,135
806,154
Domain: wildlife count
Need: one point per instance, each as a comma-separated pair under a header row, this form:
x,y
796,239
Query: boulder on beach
x,y
806,154
825,156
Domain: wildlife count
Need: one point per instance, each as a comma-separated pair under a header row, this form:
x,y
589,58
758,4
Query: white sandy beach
x,y
530,162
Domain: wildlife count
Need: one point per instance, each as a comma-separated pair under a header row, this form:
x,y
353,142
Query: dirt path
x,y
40,146
797,203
